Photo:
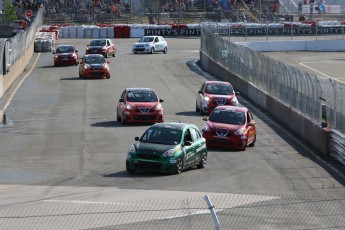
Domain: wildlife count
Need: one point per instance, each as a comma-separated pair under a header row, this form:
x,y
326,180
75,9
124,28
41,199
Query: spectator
x,y
302,18
275,7
322,6
311,7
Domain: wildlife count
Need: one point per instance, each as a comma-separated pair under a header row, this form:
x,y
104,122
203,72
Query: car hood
x,y
144,105
143,43
151,148
96,65
220,96
63,54
95,47
223,126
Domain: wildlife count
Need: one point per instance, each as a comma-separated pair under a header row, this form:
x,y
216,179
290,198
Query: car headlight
x,y
86,66
132,149
158,107
129,107
105,66
206,99
73,55
206,128
56,56
234,101
240,131
169,153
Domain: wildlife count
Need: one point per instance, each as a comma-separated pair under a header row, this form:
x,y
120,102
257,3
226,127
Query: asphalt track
x,y
63,146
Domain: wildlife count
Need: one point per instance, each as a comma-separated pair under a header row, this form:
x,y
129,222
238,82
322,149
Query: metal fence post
x,y
214,215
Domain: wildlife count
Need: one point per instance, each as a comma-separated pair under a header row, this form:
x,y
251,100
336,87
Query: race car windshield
x,y
97,43
142,96
66,49
95,60
162,136
147,39
219,89
227,117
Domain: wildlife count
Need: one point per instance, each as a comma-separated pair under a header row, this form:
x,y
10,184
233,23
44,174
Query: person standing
x,y
311,7
300,6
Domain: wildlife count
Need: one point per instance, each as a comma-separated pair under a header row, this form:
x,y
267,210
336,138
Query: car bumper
x,y
142,50
166,166
65,62
232,142
96,74
137,117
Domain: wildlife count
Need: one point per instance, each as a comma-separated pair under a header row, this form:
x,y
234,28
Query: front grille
x,y
148,156
148,165
139,49
96,73
144,117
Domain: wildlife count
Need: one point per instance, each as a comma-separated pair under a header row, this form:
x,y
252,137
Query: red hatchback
x,y
213,94
101,46
66,55
94,66
230,127
139,105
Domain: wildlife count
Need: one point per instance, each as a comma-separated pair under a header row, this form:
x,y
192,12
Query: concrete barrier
x,y
301,126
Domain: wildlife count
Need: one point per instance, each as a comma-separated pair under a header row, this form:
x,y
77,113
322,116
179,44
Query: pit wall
x,y
314,134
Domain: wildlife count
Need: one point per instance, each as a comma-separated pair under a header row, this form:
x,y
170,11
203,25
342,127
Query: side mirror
x,y
161,100
205,118
252,123
200,92
121,100
108,62
237,93
81,62
136,138
76,51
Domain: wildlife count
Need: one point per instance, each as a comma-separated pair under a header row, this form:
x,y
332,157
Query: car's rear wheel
x,y
165,50
203,161
179,166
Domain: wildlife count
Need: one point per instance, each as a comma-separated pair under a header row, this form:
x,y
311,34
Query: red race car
x,y
230,127
94,66
214,93
101,46
139,105
65,55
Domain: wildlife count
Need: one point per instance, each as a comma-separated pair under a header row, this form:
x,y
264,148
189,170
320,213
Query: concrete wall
x,y
300,125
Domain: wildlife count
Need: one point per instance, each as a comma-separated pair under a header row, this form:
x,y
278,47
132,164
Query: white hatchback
x,y
150,44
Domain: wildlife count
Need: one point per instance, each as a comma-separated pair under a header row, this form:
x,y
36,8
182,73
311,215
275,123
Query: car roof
x,y
174,125
218,82
65,45
142,89
93,55
229,107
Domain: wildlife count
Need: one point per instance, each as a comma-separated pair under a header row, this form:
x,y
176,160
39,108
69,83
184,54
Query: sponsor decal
x,y
249,31
221,132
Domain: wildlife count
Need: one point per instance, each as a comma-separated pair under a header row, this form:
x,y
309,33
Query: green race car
x,y
168,148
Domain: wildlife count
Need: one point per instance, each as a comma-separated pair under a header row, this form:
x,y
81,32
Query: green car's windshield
x,y
164,136
228,117
220,89
141,96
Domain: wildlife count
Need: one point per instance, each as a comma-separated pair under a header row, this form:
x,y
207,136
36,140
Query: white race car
x,y
150,44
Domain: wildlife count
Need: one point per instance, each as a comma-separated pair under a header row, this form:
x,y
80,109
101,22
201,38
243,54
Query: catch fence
x,y
234,211
309,94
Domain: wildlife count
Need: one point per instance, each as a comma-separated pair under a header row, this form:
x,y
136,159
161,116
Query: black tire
x,y
123,121
130,171
196,108
118,118
253,143
165,51
152,50
108,77
245,146
200,111
80,75
106,55
114,54
203,161
179,166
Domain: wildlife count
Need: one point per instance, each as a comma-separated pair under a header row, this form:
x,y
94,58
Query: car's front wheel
x,y
203,161
130,171
253,143
165,50
152,50
179,166
196,107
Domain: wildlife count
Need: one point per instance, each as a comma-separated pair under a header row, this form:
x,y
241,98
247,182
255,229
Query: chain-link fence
x,y
233,211
301,91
